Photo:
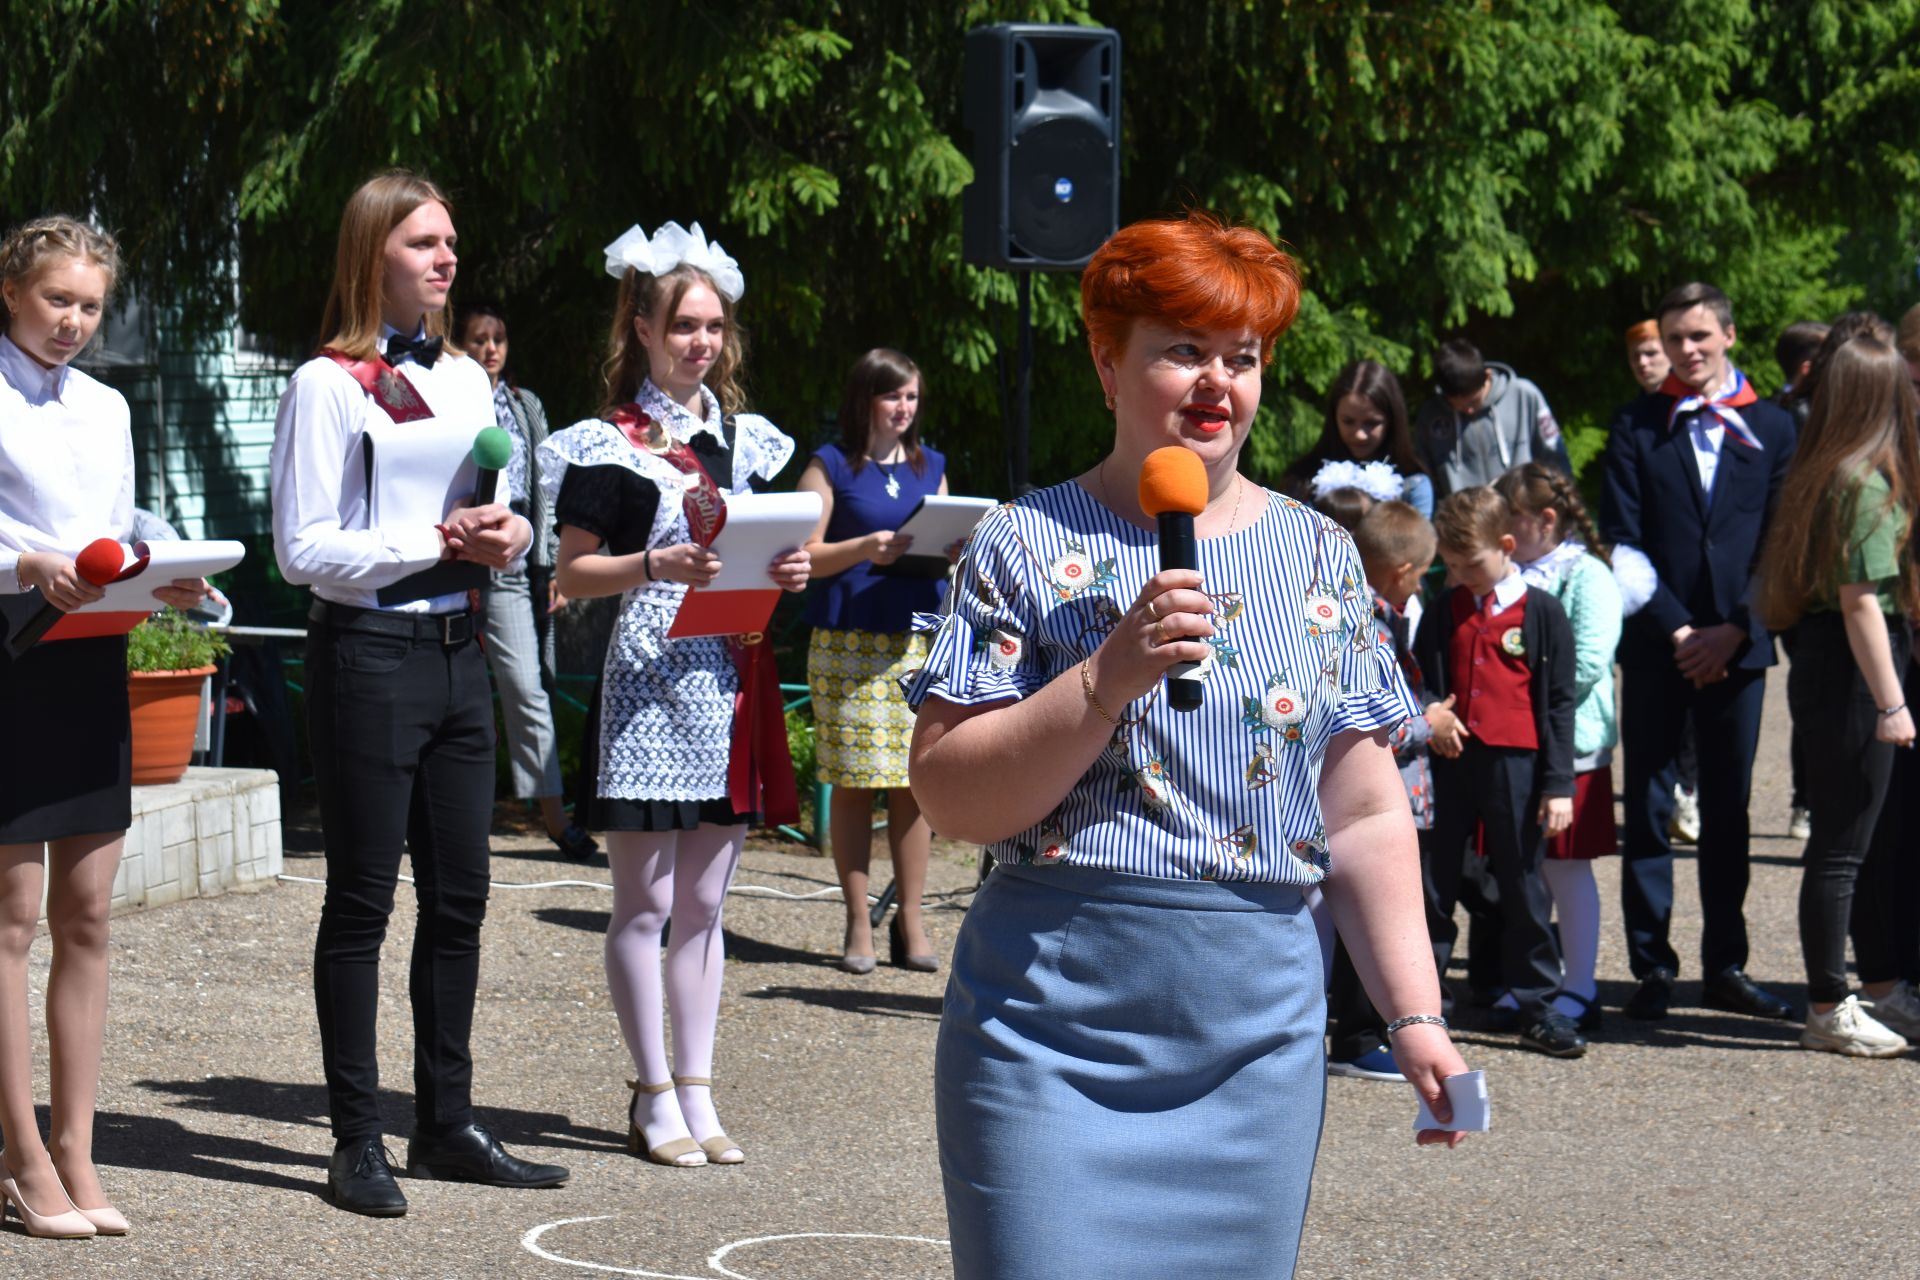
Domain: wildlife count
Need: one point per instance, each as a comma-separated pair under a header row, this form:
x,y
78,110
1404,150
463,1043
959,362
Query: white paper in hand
x,y
1468,1094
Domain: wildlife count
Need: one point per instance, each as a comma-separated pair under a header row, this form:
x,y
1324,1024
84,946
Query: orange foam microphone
x,y
99,562
1173,490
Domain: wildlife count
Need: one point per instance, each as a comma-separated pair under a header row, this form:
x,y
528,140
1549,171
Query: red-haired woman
x,y
1139,984
1839,565
399,710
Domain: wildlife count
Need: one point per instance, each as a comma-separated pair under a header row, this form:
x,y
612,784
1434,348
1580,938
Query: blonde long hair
x,y
33,247
657,298
354,314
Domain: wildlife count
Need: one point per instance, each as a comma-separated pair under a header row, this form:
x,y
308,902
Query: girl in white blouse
x,y
66,479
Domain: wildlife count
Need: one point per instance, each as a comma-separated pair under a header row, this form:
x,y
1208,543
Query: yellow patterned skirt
x,y
862,723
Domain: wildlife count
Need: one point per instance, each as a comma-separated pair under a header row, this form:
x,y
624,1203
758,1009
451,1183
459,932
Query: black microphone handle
x,y
35,627
485,486
1180,550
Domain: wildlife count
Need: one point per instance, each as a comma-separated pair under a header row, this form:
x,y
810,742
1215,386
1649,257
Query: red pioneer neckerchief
x,y
759,765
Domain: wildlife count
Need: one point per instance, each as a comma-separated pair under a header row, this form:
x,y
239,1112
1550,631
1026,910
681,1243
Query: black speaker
x,y
1043,102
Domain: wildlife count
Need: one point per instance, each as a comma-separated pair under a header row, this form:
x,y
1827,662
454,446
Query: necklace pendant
x,y
893,486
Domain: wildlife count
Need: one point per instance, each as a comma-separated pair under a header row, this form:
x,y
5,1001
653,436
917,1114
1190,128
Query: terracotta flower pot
x,y
166,707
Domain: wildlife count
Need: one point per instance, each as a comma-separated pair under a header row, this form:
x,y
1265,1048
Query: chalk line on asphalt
x,y
531,1242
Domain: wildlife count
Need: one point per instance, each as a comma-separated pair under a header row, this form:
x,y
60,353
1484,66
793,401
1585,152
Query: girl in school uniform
x,y
1365,443
1559,551
681,776
66,479
399,711
863,641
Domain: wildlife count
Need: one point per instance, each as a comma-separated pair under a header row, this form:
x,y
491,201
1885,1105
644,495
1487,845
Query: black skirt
x,y
613,814
66,759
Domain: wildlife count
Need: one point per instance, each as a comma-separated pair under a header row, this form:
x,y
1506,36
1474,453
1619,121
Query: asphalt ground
x,y
1707,1145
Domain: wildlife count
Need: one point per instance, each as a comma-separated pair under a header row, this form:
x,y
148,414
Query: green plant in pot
x,y
169,658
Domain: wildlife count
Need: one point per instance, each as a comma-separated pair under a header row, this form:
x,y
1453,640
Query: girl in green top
x,y
1839,563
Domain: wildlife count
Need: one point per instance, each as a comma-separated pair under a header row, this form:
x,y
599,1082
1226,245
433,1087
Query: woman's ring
x,y
1159,632
1153,608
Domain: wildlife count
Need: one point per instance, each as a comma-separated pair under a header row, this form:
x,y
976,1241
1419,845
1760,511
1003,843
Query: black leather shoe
x,y
1553,1034
1649,1003
1733,991
576,843
473,1154
360,1180
1589,1019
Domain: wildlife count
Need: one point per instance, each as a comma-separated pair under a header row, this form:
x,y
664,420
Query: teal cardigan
x,y
1591,599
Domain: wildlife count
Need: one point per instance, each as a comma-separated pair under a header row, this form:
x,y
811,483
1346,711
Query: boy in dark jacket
x,y
1505,656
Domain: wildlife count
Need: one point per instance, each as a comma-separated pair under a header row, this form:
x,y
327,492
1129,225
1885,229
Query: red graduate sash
x,y
759,764
396,396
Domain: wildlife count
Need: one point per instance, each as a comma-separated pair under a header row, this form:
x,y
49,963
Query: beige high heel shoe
x,y
70,1224
670,1153
108,1221
720,1148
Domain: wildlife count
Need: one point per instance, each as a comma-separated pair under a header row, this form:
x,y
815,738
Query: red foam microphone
x,y
99,562
1173,489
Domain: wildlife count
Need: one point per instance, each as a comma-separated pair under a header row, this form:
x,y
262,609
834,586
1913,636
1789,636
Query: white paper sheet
x,y
1471,1111
165,562
417,471
942,520
759,527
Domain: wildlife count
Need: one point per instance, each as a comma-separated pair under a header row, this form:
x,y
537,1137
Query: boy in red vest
x,y
1505,656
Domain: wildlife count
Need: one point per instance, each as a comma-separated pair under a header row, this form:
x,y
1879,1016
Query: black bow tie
x,y
423,350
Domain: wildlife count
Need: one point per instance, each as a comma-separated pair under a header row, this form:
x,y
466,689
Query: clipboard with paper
x,y
936,523
416,473
741,598
128,600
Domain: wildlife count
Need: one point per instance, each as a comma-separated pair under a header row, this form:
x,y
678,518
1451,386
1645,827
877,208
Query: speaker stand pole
x,y
1023,396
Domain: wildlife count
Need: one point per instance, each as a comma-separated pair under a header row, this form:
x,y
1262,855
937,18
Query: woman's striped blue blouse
x,y
1228,792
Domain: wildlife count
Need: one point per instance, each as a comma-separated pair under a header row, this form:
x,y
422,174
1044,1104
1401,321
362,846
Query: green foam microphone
x,y
492,450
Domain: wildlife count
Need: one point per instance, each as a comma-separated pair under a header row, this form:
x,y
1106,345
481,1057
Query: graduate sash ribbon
x,y
1726,408
759,765
396,396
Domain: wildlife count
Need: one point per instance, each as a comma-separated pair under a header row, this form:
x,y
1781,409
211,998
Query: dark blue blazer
x,y
1704,553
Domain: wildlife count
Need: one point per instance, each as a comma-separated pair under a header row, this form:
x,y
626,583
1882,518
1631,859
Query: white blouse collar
x,y
39,385
676,418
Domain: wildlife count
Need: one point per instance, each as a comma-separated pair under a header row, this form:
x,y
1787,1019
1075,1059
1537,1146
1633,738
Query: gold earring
x,y
1109,399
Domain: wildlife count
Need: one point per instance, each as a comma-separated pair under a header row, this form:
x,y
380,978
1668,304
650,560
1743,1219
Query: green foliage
x,y
1533,174
170,641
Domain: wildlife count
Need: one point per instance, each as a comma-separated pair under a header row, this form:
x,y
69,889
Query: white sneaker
x,y
1684,826
1799,823
1850,1030
1898,1010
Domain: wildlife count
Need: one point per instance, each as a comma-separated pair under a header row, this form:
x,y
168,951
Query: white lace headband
x,y
670,246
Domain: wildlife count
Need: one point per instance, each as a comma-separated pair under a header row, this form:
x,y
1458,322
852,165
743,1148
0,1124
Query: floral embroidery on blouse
x,y
1073,572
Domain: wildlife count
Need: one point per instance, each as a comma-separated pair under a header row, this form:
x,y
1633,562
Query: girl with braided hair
x,y
1559,551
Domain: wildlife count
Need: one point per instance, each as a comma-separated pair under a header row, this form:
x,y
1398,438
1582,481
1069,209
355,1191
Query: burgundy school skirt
x,y
1591,835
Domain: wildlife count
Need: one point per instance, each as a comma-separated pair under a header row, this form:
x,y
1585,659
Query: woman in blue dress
x,y
1130,1074
863,642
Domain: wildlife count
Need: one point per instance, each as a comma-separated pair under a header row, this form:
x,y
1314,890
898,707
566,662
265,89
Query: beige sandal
x,y
720,1148
671,1153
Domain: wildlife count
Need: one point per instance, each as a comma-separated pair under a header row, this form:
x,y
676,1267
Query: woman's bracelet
x,y
1086,683
1893,711
647,562
1413,1019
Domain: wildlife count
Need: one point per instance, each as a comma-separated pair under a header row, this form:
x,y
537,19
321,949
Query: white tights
x,y
682,876
1576,908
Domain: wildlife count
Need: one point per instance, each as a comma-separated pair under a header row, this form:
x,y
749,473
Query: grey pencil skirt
x,y
1130,1077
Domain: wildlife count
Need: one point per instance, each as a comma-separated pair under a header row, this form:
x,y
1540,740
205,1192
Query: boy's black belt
x,y
447,629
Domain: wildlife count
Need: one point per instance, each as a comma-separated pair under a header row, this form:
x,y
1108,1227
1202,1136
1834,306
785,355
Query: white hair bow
x,y
670,246
1378,480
